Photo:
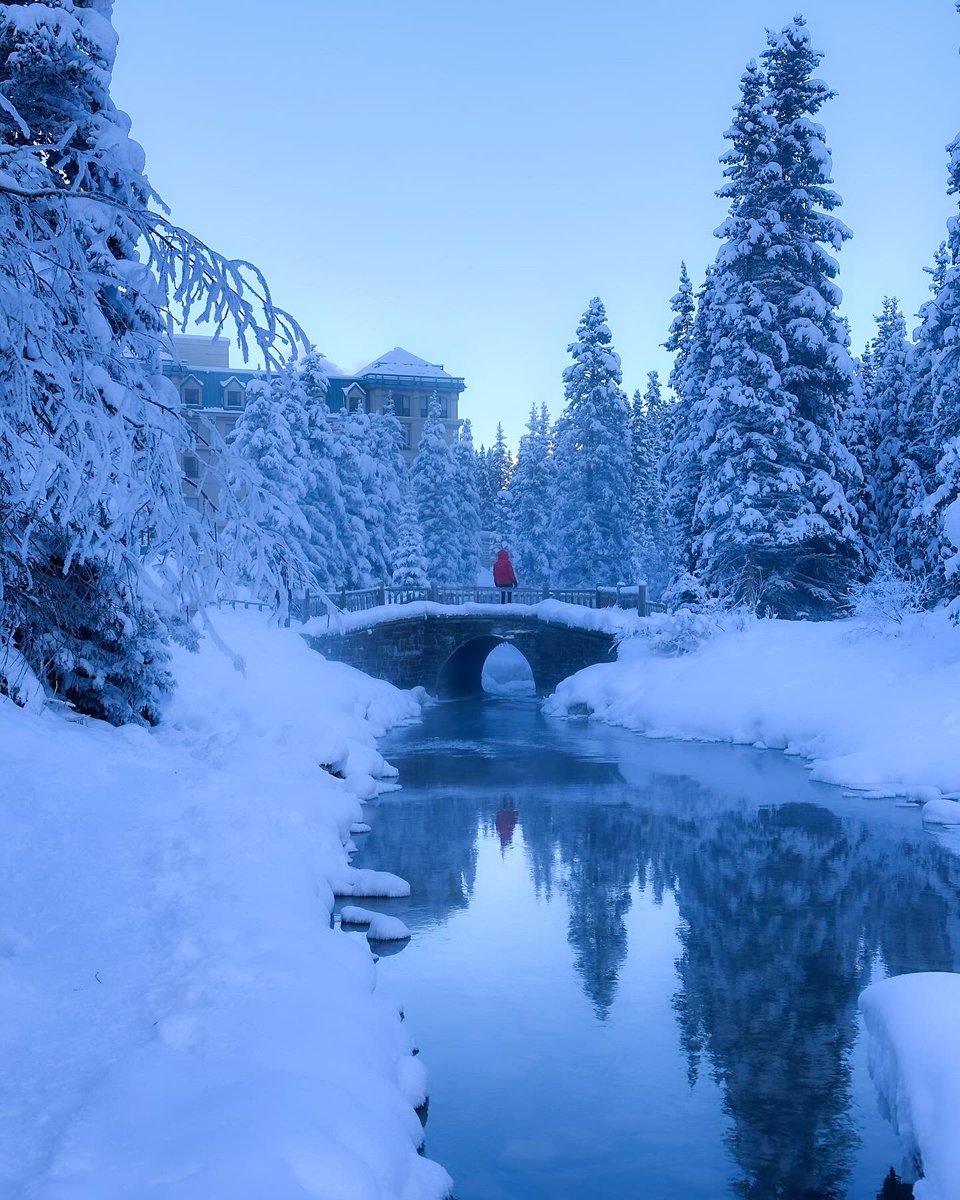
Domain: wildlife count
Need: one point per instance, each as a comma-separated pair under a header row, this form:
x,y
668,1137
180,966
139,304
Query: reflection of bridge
x,y
444,651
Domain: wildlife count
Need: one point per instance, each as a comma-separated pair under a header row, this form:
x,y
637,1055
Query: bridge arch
x,y
444,652
461,674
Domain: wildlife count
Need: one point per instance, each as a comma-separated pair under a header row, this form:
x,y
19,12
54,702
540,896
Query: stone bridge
x,y
445,653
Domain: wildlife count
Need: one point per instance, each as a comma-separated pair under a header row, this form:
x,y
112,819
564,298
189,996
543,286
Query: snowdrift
x,y
179,1016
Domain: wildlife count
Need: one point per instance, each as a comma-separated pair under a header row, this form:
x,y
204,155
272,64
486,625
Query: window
x,y
191,466
425,406
401,406
191,396
234,398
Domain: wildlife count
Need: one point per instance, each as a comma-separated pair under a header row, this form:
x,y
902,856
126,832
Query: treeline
x,y
777,470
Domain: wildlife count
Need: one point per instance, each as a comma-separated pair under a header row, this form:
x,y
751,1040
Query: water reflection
x,y
786,895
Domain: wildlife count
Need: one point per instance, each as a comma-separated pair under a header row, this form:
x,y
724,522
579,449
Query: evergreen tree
x,y
263,441
772,524
592,455
410,562
684,309
682,466
898,477
467,497
648,420
392,478
361,481
936,398
434,479
532,493
302,391
101,559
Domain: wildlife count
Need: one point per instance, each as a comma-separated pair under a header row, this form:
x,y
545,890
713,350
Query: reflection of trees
x,y
769,982
783,911
433,846
601,866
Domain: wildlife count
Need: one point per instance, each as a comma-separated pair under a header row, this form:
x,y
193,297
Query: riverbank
x,y
876,708
179,1017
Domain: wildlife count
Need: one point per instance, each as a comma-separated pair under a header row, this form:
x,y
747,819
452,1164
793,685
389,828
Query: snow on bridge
x,y
442,647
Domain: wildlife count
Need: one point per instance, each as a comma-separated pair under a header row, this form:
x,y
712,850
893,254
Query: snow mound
x,y
381,927
941,811
372,884
913,1027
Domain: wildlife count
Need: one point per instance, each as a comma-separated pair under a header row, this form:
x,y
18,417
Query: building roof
x,y
399,362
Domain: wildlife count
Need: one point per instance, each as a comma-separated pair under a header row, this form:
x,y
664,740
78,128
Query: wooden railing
x,y
364,599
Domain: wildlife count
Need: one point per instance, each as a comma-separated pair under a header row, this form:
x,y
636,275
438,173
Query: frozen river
x,y
635,964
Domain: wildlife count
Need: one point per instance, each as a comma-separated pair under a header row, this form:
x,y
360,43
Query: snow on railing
x,y
362,599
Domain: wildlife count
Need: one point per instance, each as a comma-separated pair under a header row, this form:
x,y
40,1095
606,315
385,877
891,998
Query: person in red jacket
x,y
503,576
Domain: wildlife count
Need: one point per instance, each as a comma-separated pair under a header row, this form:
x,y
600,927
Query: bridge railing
x,y
362,599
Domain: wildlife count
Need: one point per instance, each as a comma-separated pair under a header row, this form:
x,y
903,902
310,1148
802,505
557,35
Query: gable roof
x,y
401,362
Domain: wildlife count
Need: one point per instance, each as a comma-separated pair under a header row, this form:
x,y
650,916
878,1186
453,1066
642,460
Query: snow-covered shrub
x,y
685,629
888,595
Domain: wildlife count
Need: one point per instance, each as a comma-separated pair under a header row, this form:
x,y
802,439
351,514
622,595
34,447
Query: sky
x,y
460,177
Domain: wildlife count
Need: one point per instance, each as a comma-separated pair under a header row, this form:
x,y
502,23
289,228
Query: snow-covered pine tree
x,y
90,484
301,390
501,472
898,476
467,496
263,443
434,480
360,479
773,526
857,427
532,499
410,561
648,435
684,309
392,478
936,398
592,456
682,467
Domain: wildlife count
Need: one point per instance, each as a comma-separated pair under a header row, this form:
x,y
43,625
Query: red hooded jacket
x,y
503,575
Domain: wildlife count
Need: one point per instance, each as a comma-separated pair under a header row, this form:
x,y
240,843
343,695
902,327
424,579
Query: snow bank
x,y
913,1029
876,709
178,1015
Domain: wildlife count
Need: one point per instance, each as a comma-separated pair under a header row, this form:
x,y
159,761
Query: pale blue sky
x,y
460,177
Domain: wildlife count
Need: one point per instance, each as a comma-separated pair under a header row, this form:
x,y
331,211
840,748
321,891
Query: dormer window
x,y
355,397
232,392
191,392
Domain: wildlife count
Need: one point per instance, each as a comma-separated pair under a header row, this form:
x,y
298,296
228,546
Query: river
x,y
635,964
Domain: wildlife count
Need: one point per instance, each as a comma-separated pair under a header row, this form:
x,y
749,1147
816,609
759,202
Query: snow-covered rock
x,y
381,927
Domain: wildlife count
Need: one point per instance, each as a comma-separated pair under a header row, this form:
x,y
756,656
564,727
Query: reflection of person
x,y
503,576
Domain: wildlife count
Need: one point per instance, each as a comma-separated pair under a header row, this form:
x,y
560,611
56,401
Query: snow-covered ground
x,y
875,708
914,1047
178,1015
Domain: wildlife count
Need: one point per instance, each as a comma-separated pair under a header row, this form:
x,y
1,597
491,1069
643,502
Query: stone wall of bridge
x,y
445,653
